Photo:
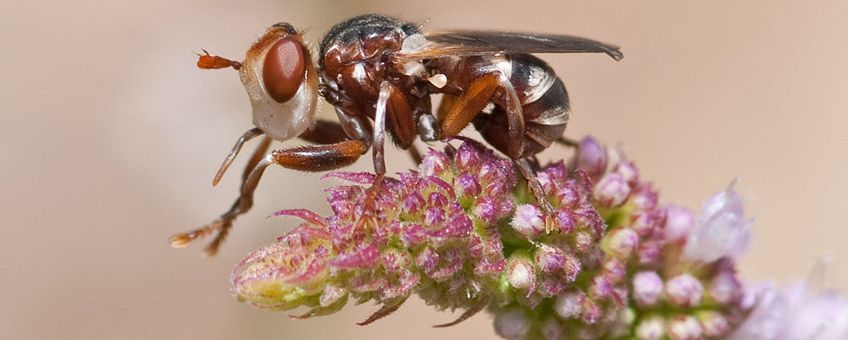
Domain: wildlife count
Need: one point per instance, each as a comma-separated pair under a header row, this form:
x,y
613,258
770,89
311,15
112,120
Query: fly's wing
x,y
471,43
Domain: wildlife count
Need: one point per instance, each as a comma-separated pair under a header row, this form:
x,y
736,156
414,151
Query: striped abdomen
x,y
544,101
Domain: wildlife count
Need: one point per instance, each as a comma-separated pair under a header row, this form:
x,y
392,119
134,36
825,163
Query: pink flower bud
x,y
647,287
572,267
615,270
646,223
583,241
592,312
550,259
713,323
650,252
611,190
601,287
433,163
621,242
679,221
363,256
520,273
684,327
413,203
468,185
684,290
487,209
628,171
725,288
467,157
651,328
592,157
644,196
565,221
569,305
528,220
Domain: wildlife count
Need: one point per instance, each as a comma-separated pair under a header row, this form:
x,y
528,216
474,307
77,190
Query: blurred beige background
x,y
110,137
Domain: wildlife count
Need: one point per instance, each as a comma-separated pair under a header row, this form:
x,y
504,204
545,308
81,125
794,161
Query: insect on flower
x,y
379,74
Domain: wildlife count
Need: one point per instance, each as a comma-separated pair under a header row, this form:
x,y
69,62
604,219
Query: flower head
x,y
464,232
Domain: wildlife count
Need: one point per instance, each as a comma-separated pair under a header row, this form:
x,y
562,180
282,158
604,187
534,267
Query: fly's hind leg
x,y
568,142
508,137
415,154
507,134
529,174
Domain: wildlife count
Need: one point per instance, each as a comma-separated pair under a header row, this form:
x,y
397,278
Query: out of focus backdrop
x,y
110,135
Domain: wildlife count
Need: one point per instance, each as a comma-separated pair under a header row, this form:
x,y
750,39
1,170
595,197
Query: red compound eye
x,y
283,71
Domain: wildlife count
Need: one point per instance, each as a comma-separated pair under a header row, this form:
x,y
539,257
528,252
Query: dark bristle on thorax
x,y
286,27
355,27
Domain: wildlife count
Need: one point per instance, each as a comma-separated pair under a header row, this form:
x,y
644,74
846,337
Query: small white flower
x,y
722,229
795,313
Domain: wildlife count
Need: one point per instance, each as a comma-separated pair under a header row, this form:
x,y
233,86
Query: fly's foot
x,y
220,228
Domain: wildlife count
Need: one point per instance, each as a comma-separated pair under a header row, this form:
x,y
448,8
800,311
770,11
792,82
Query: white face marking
x,y
280,121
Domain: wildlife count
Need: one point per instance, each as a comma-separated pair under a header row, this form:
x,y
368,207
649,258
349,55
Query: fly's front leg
x,y
316,158
324,132
330,156
222,225
305,158
234,152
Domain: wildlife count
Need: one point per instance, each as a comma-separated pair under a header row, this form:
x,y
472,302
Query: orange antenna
x,y
212,62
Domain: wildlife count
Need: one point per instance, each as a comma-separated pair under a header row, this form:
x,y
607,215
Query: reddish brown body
x,y
380,74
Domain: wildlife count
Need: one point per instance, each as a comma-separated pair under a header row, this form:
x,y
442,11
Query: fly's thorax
x,y
356,55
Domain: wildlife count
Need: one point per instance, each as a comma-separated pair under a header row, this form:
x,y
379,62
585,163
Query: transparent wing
x,y
470,43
